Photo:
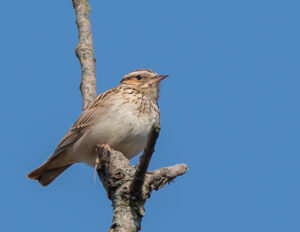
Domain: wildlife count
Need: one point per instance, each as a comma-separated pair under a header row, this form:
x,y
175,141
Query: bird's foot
x,y
102,147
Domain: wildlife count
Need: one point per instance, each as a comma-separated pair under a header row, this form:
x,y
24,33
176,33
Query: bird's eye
x,y
139,77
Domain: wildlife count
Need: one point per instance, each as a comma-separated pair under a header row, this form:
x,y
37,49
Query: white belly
x,y
121,130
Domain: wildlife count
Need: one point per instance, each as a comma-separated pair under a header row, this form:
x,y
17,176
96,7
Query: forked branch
x,y
127,193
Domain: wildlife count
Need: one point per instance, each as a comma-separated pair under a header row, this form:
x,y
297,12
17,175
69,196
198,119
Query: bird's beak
x,y
158,78
161,77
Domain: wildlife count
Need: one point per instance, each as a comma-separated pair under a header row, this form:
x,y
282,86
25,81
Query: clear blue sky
x,y
230,110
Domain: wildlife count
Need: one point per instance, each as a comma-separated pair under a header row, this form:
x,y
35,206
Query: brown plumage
x,y
120,117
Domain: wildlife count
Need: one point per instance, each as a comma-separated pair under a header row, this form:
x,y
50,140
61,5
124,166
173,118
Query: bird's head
x,y
145,80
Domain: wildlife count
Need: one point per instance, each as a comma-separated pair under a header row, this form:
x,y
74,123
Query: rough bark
x,y
85,52
128,195
127,187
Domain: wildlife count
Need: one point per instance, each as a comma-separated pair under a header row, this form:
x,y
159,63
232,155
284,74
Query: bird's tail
x,y
46,173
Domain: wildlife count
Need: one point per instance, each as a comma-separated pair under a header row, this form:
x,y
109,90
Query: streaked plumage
x,y
120,117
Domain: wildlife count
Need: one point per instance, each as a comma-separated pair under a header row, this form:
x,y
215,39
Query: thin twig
x,y
85,52
142,167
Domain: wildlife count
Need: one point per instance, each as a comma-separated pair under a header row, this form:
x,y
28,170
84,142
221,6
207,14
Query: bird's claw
x,y
102,147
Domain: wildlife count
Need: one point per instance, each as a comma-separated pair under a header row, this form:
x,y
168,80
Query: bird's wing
x,y
85,119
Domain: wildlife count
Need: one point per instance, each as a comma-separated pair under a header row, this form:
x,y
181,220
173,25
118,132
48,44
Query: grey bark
x,y
85,52
127,188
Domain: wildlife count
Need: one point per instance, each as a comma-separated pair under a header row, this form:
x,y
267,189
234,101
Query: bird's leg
x,y
107,147
97,162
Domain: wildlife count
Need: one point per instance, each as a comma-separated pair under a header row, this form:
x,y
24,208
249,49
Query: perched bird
x,y
120,117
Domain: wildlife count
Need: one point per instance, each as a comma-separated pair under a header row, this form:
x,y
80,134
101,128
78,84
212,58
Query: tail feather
x,y
46,175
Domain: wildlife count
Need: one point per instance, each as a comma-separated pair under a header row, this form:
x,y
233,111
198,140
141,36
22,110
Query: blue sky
x,y
230,110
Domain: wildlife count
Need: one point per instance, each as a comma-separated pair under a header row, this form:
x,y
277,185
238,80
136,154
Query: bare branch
x,y
144,161
158,178
85,52
117,177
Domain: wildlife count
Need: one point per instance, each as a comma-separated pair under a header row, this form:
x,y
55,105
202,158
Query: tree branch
x,y
144,161
85,52
158,178
118,176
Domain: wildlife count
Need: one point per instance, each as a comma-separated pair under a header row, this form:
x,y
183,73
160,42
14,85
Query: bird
x,y
120,117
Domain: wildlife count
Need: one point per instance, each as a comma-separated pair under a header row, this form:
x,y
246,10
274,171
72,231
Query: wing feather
x,y
69,139
85,119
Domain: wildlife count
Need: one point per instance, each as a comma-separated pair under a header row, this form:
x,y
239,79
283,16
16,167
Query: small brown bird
x,y
120,117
